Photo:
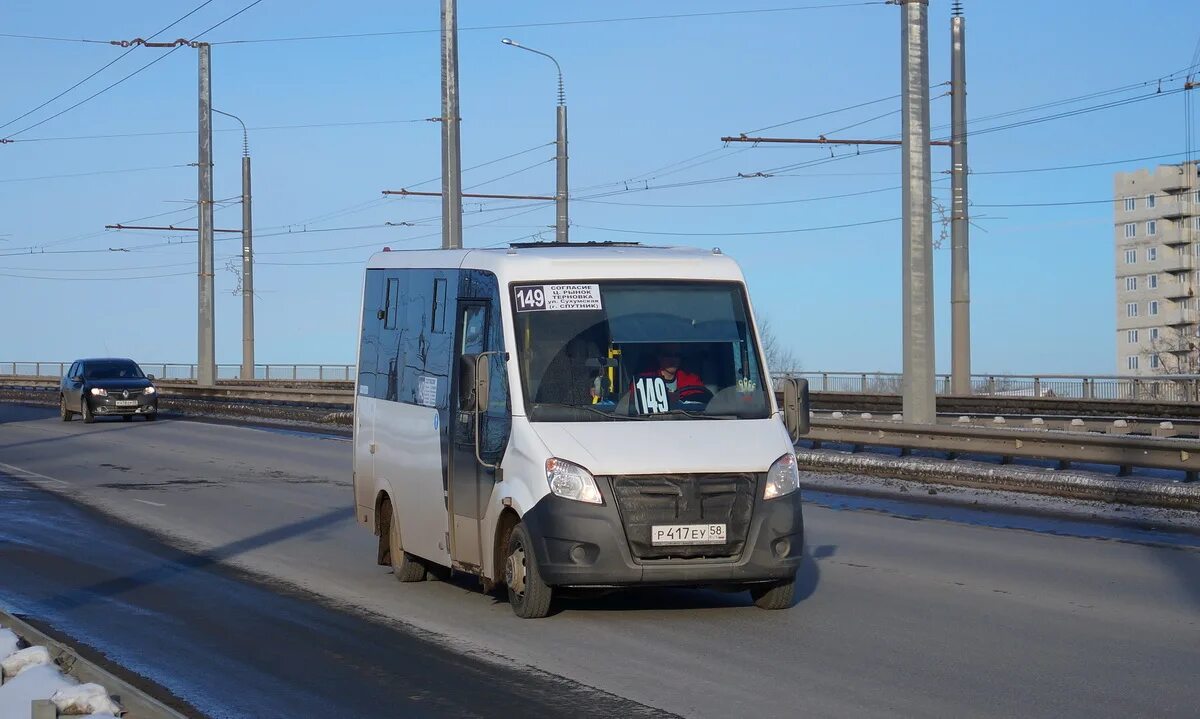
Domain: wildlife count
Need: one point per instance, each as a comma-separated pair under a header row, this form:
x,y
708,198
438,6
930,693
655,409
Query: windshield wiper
x,y
589,408
699,415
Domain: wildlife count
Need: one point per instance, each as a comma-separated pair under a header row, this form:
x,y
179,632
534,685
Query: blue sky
x,y
643,96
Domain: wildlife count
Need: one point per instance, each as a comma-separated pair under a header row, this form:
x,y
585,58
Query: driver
x,y
681,385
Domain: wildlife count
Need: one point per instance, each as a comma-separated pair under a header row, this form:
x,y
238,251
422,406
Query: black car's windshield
x,y
621,350
112,369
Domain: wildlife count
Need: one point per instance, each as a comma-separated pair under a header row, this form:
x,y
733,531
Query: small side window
x,y
439,304
391,304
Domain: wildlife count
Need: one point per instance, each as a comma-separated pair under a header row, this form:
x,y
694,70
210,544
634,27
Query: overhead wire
x,y
161,133
794,230
136,72
103,68
560,23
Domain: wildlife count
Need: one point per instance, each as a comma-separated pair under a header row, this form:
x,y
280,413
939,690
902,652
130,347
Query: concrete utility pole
x,y
918,392
206,361
960,279
451,157
247,371
560,195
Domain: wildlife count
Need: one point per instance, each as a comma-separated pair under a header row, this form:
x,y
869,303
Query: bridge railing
x,y
1163,388
177,371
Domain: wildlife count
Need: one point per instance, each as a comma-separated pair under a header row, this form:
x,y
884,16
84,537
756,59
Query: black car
x,y
107,386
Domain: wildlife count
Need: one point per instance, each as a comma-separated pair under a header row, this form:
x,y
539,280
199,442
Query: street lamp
x,y
560,194
247,372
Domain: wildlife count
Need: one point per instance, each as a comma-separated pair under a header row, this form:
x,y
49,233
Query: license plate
x,y
666,534
127,403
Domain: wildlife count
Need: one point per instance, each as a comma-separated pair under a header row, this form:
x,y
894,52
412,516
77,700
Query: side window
x,y
439,304
483,331
74,371
472,342
474,324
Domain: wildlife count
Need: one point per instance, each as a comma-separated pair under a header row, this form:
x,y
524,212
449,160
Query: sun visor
x,y
679,315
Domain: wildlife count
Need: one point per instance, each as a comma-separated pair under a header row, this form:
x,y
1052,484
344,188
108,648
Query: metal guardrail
x,y
172,371
1151,427
1162,388
1124,451
252,392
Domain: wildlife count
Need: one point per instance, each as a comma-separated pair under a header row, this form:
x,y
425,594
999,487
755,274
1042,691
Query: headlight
x,y
97,392
783,477
570,481
148,390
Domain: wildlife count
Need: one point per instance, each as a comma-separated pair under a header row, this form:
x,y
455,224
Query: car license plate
x,y
127,403
666,534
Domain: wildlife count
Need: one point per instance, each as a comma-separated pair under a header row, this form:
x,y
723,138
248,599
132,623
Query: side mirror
x,y
482,382
380,314
796,407
150,377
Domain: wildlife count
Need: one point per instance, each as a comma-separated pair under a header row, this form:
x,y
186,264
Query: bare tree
x,y
1174,352
780,358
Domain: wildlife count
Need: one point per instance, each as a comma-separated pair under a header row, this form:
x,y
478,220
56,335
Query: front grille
x,y
120,393
647,500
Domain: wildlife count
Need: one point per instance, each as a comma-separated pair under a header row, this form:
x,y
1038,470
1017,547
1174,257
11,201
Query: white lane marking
x,y
152,504
21,473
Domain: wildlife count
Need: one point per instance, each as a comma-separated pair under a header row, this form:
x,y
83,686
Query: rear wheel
x,y
529,595
406,567
126,418
778,595
151,416
63,413
85,409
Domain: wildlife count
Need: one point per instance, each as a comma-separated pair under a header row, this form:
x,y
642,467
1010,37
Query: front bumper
x,y
584,545
101,406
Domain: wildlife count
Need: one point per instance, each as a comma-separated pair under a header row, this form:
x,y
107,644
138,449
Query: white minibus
x,y
575,416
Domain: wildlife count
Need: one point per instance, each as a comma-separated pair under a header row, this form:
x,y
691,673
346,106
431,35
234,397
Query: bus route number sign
x,y
557,298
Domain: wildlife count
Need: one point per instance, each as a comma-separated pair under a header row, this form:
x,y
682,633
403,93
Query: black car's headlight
x,y
99,392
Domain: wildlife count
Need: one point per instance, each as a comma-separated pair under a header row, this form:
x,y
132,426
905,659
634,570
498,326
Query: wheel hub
x,y
514,571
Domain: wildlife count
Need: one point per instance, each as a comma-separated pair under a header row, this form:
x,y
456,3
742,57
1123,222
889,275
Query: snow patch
x,y
36,682
23,659
84,699
8,642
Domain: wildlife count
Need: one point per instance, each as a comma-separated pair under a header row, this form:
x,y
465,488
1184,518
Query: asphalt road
x,y
899,616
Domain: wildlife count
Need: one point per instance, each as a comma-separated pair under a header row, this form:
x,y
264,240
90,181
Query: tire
x,y
126,418
85,409
779,595
529,595
406,567
63,413
151,416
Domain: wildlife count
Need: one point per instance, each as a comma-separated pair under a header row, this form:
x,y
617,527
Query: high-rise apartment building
x,y
1156,223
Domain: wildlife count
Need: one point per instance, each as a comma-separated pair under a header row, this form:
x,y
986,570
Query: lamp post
x,y
247,372
560,194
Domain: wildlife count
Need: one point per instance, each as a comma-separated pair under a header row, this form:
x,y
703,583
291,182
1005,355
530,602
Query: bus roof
x,y
553,261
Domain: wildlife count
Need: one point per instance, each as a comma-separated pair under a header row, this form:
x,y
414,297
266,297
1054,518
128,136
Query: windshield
x,y
637,350
112,370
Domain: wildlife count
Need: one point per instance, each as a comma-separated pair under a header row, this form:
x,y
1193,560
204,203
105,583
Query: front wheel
x,y
63,413
85,409
529,595
151,416
777,595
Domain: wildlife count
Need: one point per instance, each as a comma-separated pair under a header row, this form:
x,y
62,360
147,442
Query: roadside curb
x,y
1053,483
135,702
